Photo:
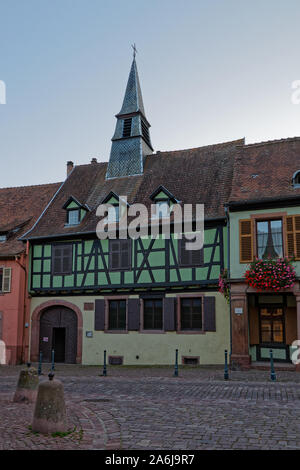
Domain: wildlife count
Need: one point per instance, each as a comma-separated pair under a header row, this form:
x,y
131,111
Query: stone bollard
x,y
27,385
50,410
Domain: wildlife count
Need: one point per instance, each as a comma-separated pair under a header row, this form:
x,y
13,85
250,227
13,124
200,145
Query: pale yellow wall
x,y
151,348
237,270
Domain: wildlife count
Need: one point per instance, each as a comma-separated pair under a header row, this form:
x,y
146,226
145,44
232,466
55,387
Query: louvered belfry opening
x,y
127,127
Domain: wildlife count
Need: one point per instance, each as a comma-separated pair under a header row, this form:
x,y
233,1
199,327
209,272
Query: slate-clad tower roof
x,y
131,141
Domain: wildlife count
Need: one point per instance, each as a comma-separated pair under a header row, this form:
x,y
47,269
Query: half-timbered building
x,y
264,210
137,299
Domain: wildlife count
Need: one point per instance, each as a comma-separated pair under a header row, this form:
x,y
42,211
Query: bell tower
x,y
131,141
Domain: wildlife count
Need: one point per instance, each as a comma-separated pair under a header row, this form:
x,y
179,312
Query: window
x,y
272,325
162,209
5,279
3,237
153,314
117,315
127,127
62,259
113,214
191,313
119,254
189,257
296,179
73,216
269,239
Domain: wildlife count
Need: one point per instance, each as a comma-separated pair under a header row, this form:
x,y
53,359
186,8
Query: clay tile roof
x,y
264,171
19,209
198,175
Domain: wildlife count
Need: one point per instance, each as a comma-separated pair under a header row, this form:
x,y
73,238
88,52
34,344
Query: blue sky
x,y
210,71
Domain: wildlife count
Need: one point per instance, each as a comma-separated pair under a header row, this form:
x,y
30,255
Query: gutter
x,y
228,273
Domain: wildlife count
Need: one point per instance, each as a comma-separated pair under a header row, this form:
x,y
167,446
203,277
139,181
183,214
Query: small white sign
x,y
89,334
45,339
238,310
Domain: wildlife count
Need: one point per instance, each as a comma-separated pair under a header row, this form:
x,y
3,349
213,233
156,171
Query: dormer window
x,y
296,179
162,209
113,213
73,216
75,211
163,201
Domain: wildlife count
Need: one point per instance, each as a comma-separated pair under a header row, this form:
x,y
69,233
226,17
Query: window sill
x,y
190,332
71,225
118,332
152,332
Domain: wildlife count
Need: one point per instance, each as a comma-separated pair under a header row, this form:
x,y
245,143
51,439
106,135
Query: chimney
x,y
94,160
70,166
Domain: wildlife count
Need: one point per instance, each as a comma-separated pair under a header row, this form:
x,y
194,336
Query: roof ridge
x,y
31,186
270,142
242,141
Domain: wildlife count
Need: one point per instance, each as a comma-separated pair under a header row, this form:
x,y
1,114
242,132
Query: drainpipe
x,y
228,273
23,266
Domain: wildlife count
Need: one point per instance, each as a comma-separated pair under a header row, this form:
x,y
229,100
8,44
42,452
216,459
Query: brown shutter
x,y
99,314
293,236
6,280
246,241
169,313
133,314
290,236
209,314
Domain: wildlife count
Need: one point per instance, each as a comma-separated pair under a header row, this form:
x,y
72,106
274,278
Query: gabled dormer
x,y
163,200
113,212
75,211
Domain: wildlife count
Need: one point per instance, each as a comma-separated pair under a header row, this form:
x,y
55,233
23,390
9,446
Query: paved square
x,y
148,408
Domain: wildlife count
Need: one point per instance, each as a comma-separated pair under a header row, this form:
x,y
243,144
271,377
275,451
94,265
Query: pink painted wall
x,y
14,315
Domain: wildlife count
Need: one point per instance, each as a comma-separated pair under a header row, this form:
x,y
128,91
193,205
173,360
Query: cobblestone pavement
x,y
148,408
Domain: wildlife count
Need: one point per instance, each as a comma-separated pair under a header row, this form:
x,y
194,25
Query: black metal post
x,y
52,357
176,364
104,365
226,375
273,374
40,364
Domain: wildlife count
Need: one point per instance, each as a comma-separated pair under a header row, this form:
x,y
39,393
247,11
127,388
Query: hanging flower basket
x,y
224,286
271,274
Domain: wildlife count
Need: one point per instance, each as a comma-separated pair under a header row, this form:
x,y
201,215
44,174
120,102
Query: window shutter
x,y
6,280
290,236
246,241
133,314
169,313
99,314
209,314
293,236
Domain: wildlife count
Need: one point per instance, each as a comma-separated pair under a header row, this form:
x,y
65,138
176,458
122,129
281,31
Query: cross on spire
x,y
134,50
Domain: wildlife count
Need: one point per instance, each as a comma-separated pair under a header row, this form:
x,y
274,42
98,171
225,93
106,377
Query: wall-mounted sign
x,y
89,334
45,339
238,310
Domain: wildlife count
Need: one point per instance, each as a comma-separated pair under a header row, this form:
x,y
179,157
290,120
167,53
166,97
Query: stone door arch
x,y
58,331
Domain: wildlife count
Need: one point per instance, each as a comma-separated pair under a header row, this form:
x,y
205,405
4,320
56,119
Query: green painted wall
x,y
237,269
91,264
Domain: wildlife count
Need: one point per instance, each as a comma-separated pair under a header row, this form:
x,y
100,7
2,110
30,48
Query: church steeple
x,y
131,141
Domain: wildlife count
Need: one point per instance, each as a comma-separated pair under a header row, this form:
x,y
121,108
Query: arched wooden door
x,y
58,331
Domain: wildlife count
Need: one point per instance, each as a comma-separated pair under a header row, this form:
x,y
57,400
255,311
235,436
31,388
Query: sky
x,y
210,70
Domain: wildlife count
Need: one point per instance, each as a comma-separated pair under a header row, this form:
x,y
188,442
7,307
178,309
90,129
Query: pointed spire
x,y
131,141
133,100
